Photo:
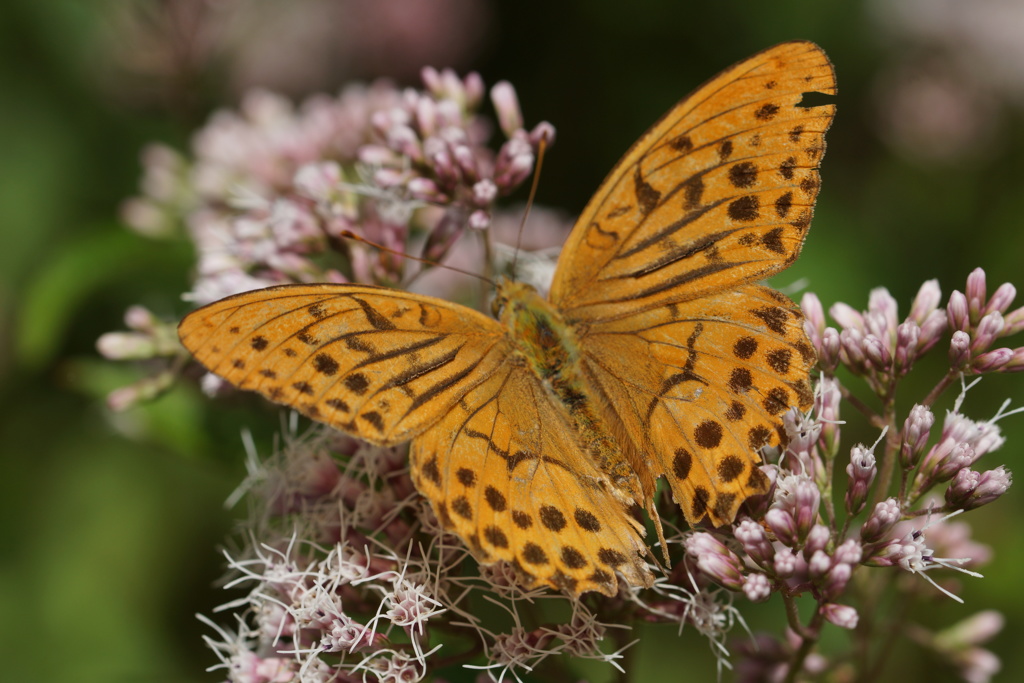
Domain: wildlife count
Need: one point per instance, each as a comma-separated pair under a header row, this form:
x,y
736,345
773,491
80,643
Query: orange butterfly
x,y
537,435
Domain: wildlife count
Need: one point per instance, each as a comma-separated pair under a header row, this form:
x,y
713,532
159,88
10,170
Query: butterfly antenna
x,y
542,147
348,234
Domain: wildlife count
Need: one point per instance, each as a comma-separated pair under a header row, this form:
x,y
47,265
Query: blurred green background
x,y
111,523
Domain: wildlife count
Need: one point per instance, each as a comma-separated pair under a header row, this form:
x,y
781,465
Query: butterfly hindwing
x,y
505,471
718,375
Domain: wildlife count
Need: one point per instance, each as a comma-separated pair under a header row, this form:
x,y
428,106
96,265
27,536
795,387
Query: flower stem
x,y
937,390
890,456
874,418
809,638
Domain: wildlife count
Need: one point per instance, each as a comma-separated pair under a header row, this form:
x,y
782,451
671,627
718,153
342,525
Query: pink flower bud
x,y
424,189
444,168
145,389
861,471
846,316
926,302
466,162
842,616
480,220
814,317
882,519
473,87
318,181
932,330
974,630
849,552
828,401
715,560
970,489
995,360
886,313
431,79
988,330
817,539
961,456
1016,362
757,587
959,349
818,564
376,155
485,192
877,353
916,430
831,344
542,131
754,541
852,350
976,294
140,319
403,139
785,562
794,510
506,105
126,346
836,579
907,336
1014,322
1002,299
958,312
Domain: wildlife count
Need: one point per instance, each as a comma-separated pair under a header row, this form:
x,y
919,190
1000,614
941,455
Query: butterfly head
x,y
510,296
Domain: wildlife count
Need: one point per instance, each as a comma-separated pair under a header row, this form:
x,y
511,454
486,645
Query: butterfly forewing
x,y
718,193
381,364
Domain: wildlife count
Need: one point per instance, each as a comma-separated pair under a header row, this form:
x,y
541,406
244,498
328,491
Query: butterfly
x,y
538,434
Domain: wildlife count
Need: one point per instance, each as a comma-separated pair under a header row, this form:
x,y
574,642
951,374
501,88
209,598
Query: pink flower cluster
x,y
273,190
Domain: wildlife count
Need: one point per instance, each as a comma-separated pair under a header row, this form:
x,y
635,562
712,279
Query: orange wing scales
x,y
654,333
511,478
702,385
380,364
718,193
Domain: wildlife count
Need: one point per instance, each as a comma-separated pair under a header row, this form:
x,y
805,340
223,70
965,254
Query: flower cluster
x,y
273,191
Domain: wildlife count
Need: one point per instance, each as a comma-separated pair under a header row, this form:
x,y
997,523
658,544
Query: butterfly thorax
x,y
546,344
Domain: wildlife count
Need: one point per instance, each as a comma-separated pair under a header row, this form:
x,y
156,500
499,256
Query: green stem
x,y
890,456
937,390
874,418
809,638
793,615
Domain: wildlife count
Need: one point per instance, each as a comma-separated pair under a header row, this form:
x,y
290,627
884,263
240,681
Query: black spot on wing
x,y
646,195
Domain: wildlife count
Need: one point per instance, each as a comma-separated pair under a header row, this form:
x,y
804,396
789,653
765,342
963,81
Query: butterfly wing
x,y
378,363
695,363
504,470
718,193
491,451
701,386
